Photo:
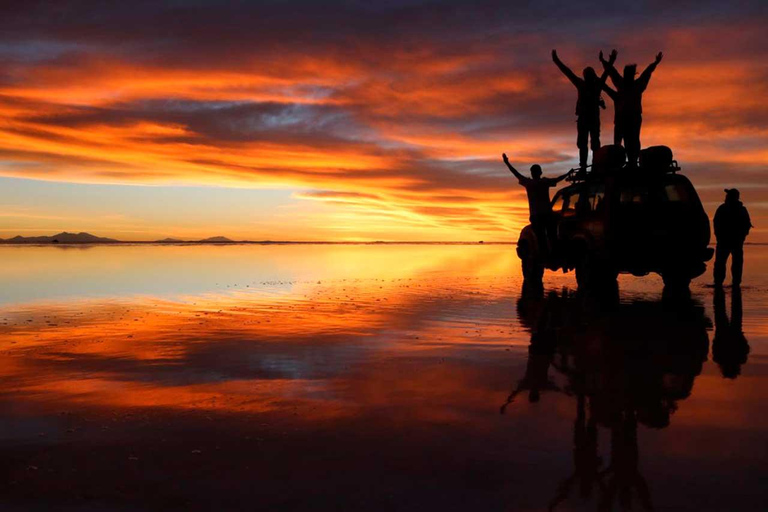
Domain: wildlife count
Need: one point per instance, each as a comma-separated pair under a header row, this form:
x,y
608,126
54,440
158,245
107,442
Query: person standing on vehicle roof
x,y
588,105
732,225
539,204
628,104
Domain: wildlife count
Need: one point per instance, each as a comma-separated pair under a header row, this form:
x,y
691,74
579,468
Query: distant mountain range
x,y
216,240
87,238
61,238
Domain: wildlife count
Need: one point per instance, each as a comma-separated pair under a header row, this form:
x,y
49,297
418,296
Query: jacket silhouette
x,y
732,225
628,104
588,105
539,204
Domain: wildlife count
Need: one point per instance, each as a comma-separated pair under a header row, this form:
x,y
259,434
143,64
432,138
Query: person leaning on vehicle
x,y
539,204
732,225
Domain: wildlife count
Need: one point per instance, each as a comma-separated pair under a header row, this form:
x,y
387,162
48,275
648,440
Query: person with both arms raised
x,y
628,103
588,105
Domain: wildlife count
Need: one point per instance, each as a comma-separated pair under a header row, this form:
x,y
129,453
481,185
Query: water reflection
x,y
730,348
625,364
382,369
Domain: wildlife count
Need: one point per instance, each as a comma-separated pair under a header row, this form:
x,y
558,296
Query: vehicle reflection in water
x,y
625,364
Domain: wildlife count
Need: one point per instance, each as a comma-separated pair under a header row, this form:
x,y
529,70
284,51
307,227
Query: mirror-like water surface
x,y
369,377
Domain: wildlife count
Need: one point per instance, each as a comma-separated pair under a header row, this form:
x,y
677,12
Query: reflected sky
x,y
385,377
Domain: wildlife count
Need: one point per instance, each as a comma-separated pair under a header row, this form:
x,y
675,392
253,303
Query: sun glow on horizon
x,y
376,141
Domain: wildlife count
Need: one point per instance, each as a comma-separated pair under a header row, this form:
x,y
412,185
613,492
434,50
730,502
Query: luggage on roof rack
x,y
658,158
608,157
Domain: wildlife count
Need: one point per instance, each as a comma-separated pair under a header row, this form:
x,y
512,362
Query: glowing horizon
x,y
363,123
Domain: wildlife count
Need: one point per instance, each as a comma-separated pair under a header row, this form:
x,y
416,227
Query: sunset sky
x,y
350,120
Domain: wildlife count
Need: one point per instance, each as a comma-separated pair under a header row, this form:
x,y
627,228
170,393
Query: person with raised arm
x,y
539,204
628,103
588,105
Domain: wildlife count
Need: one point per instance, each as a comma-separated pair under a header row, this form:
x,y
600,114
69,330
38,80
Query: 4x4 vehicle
x,y
615,218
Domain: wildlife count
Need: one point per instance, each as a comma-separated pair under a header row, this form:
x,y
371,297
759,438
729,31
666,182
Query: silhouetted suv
x,y
619,219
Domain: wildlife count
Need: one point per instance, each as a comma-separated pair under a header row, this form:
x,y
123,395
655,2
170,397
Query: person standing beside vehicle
x,y
732,225
539,204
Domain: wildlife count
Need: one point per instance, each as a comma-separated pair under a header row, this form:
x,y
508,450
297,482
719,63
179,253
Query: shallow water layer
x,y
398,377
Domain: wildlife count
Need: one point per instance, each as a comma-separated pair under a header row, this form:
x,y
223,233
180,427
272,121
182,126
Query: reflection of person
x,y
628,104
539,204
730,347
732,225
588,105
586,461
623,473
541,351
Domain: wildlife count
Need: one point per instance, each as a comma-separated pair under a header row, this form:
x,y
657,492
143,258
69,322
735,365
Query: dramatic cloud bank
x,y
393,114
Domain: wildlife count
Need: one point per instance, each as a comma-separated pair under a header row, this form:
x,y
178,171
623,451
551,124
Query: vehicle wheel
x,y
674,279
533,269
593,274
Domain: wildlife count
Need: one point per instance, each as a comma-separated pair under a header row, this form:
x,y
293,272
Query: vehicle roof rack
x,y
580,174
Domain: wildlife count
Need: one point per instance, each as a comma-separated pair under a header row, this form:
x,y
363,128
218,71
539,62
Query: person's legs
x,y
721,257
737,264
582,127
618,132
632,139
594,135
540,229
541,226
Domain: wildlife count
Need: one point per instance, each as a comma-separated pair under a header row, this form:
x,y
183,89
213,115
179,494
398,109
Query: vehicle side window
x,y
596,195
634,195
571,201
596,201
557,204
675,193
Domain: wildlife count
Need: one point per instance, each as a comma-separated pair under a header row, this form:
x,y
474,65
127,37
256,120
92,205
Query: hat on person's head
x,y
732,192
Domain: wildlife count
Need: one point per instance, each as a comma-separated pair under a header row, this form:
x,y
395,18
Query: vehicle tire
x,y
676,279
592,274
533,269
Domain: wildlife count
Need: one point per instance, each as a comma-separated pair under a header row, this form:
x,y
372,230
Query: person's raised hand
x,y
602,59
612,56
554,55
504,157
659,56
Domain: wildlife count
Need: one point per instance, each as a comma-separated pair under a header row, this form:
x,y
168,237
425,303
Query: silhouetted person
x,y
730,348
539,204
628,104
588,105
732,225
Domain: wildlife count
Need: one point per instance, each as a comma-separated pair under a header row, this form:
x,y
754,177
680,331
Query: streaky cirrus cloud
x,y
394,115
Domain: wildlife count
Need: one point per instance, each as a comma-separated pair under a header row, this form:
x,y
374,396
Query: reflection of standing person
x,y
730,347
628,104
732,225
539,204
588,105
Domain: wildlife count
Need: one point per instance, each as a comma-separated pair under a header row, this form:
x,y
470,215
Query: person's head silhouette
x,y
732,195
536,171
589,74
630,70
